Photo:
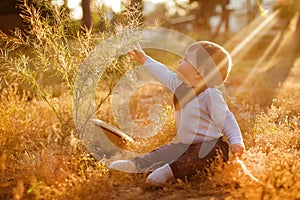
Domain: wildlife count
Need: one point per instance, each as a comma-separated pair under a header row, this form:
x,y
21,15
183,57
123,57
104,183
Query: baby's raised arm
x,y
159,71
138,54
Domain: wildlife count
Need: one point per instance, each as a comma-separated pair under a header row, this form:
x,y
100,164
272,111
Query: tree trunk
x,y
297,36
86,19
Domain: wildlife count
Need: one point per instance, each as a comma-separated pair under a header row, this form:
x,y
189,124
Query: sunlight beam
x,y
250,40
284,39
255,69
253,33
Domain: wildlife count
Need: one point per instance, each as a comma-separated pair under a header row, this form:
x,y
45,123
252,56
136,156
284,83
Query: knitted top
x,y
205,117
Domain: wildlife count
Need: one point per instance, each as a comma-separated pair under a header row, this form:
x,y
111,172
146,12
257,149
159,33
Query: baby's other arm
x,y
223,117
233,133
237,149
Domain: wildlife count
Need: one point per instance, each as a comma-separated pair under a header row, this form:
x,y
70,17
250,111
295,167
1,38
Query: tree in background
x,y
205,10
10,13
87,16
9,16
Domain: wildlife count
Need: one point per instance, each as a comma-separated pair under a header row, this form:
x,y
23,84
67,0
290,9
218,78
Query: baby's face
x,y
187,72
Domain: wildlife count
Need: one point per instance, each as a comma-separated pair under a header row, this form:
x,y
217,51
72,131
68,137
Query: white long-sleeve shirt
x,y
205,117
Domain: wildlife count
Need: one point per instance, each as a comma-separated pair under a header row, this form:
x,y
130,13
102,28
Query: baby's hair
x,y
220,56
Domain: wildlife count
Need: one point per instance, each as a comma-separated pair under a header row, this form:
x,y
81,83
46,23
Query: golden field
x,y
42,157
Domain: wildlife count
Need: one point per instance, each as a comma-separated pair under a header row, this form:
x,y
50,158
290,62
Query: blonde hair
x,y
220,56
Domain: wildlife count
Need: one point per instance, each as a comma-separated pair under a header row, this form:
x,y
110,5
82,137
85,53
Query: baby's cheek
x,y
179,76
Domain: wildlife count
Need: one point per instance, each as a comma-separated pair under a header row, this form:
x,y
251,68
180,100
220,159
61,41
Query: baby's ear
x,y
198,76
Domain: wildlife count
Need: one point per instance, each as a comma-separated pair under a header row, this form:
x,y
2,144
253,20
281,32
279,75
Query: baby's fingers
x,y
137,47
132,55
237,150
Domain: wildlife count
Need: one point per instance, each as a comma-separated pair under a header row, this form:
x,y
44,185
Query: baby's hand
x,y
237,149
138,54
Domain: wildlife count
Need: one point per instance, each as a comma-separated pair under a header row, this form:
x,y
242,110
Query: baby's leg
x,y
185,165
190,162
160,175
152,160
161,156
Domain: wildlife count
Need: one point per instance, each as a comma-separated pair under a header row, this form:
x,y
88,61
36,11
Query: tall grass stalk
x,y
53,44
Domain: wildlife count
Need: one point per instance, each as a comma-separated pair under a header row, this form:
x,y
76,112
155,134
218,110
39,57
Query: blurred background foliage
x,y
233,15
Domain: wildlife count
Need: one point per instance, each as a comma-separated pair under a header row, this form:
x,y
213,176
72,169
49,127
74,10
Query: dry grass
x,y
41,156
36,162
